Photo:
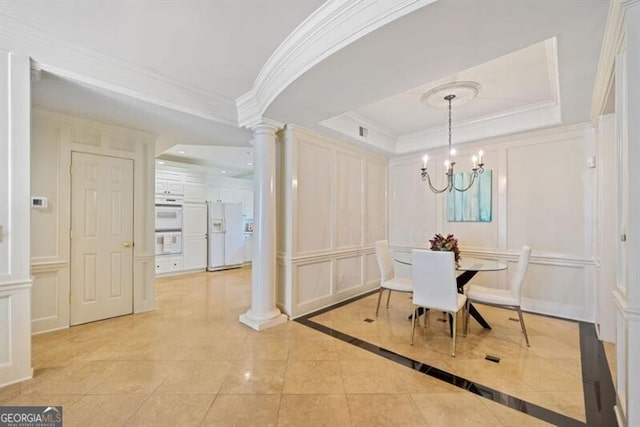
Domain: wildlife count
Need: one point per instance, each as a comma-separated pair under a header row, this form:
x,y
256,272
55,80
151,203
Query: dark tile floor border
x,y
599,393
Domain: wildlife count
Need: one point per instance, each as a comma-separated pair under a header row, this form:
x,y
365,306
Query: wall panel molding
x,y
557,222
309,279
15,331
51,270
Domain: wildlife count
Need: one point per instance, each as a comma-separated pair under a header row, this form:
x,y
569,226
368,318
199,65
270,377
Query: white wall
x,y
332,208
543,195
15,280
54,137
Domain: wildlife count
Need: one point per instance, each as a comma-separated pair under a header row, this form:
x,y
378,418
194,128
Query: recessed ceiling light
x,y
223,172
249,164
181,151
160,162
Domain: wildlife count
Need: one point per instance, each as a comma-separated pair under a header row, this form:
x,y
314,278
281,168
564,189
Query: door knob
x,y
128,244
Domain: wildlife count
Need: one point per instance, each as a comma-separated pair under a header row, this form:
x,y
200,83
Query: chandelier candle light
x,y
464,91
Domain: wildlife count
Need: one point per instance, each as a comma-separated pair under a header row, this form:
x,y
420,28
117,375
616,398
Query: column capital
x,y
266,126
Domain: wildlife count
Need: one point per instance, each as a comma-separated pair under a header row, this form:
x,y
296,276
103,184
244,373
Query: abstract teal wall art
x,y
473,204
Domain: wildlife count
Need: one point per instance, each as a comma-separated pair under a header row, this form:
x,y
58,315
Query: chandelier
x,y
463,92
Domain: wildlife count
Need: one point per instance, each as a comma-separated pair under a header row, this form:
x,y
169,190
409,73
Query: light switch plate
x,y
39,202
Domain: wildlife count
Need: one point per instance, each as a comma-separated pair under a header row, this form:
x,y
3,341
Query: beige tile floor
x,y
192,363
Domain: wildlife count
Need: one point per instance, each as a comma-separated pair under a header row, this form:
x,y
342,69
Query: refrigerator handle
x,y
224,226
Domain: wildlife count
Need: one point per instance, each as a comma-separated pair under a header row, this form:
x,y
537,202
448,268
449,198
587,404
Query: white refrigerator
x,y
226,246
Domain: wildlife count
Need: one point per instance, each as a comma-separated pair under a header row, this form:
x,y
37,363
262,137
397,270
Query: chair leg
x,y
453,343
388,298
379,297
524,329
413,322
466,317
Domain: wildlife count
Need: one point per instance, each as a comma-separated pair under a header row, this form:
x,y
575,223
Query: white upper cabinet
x,y
194,192
169,187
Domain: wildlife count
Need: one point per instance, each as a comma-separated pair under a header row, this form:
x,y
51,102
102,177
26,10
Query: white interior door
x,y
101,237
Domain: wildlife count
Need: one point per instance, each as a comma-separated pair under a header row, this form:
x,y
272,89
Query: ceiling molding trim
x,y
58,54
371,125
553,69
56,117
346,145
531,137
334,25
347,125
522,119
612,44
629,3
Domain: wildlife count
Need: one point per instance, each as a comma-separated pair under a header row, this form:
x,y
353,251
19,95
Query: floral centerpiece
x,y
449,243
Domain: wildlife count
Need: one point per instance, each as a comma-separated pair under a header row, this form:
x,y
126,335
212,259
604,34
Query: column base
x,y
259,323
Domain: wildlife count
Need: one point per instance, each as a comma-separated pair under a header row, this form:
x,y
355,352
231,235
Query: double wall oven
x,y
168,226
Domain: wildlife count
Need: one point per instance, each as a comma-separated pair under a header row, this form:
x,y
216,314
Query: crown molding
x,y
331,27
612,45
61,56
371,125
533,116
629,3
347,125
530,137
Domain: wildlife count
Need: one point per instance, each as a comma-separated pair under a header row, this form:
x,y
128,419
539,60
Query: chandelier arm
x,y
473,179
427,177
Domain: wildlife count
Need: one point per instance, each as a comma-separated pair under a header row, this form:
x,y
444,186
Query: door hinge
x,y
70,234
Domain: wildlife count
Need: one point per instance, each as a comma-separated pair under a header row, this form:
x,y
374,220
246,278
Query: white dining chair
x,y
434,286
388,279
505,298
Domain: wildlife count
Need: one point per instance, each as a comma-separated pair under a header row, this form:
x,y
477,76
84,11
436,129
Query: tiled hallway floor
x,y
192,363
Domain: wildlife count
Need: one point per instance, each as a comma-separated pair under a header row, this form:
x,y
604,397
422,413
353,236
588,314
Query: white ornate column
x,y
263,312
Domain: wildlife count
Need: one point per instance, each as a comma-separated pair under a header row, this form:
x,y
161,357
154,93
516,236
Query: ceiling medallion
x,y
444,96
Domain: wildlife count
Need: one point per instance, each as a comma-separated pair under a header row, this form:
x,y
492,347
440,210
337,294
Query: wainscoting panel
x,y
334,199
315,195
50,295
54,137
546,196
15,332
376,206
349,201
349,273
542,195
144,277
5,330
413,209
45,300
315,281
371,270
